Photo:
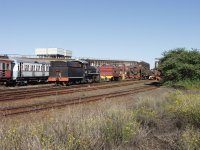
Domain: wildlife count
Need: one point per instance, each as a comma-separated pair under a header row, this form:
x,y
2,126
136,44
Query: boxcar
x,y
110,72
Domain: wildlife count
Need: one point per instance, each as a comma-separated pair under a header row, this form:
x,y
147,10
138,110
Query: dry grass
x,y
143,121
83,129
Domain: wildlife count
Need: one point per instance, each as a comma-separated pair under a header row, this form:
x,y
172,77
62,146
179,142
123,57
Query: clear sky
x,y
114,29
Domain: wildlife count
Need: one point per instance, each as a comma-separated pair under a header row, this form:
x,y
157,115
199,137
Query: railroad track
x,y
23,88
12,111
36,93
50,86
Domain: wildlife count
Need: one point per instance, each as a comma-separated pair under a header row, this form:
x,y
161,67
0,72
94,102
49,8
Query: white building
x,y
53,53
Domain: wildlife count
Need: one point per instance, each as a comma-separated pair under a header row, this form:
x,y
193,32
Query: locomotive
x,y
21,71
72,72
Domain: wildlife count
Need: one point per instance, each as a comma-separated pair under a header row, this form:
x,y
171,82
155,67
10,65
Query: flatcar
x,y
72,72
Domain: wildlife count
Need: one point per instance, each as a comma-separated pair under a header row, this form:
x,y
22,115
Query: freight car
x,y
22,71
72,72
137,72
111,72
118,72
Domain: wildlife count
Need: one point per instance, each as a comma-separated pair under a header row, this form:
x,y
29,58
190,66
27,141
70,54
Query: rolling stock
x,y
121,72
20,71
23,71
5,69
71,72
110,73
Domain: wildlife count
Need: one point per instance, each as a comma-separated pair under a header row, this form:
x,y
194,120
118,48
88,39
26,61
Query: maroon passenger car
x,y
5,69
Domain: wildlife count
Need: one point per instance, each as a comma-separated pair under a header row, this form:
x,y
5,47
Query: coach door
x,y
20,69
3,69
43,70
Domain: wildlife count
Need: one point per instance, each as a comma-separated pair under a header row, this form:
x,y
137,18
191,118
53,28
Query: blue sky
x,y
113,29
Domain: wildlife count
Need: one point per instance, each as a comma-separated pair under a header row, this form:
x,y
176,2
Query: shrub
x,y
179,65
120,128
186,107
190,139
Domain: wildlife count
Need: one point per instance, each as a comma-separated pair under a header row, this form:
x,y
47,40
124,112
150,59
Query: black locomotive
x,y
72,72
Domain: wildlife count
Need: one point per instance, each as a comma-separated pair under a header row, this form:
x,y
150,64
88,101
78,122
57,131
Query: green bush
x,y
180,65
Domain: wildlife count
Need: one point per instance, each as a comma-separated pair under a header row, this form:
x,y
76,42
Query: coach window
x,y
3,66
42,68
22,67
47,68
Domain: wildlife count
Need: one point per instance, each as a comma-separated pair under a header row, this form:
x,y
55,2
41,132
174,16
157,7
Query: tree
x,y
180,64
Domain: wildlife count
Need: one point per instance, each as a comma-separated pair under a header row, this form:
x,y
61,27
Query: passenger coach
x,y
30,71
5,69
21,71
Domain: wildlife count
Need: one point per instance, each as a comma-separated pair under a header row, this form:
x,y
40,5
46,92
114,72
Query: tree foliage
x,y
180,64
